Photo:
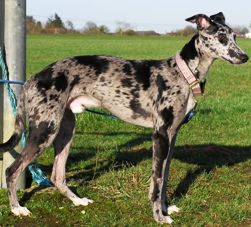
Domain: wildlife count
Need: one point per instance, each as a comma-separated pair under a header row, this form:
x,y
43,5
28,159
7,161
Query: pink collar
x,y
190,78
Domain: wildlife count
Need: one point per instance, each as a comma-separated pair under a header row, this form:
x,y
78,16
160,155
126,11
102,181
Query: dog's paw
x,y
163,219
160,216
81,201
172,209
20,211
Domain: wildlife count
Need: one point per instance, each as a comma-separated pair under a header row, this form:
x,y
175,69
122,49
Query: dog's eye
x,y
223,38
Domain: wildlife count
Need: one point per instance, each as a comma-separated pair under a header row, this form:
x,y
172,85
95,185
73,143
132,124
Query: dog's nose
x,y
244,58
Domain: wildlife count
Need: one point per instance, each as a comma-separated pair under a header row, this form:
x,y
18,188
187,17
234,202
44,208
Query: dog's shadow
x,y
207,157
125,157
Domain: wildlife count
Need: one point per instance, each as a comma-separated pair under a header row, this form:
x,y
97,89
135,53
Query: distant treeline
x,y
55,25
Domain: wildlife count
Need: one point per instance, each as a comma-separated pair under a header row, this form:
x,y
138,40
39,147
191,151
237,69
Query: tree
x,y
188,30
33,26
103,29
39,27
55,24
90,28
123,27
69,26
30,24
240,30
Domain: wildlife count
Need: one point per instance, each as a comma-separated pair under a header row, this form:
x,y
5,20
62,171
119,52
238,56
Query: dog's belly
x,y
79,104
125,113
140,120
147,123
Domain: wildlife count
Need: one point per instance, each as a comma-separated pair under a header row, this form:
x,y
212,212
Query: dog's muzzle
x,y
244,58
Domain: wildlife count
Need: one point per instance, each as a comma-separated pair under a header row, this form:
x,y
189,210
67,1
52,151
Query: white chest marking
x,y
191,103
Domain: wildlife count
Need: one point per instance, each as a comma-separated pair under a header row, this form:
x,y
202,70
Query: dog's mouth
x,y
228,60
243,58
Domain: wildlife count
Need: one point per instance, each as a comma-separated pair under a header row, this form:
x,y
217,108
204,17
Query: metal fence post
x,y
15,48
1,86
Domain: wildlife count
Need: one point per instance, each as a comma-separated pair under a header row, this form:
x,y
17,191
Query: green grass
x,y
110,160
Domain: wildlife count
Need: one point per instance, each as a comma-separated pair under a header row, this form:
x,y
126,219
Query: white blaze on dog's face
x,y
216,39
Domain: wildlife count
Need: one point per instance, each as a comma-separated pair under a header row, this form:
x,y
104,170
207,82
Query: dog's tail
x,y
19,125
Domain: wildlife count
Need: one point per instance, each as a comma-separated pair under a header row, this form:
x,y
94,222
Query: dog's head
x,y
217,39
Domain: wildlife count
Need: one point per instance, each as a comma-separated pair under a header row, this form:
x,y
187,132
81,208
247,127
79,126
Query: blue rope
x,y
38,175
11,82
11,93
103,114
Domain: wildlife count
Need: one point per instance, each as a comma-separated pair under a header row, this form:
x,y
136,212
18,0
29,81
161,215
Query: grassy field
x,y
110,160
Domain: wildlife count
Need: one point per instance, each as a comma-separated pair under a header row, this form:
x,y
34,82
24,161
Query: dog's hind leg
x,y
12,173
62,145
39,138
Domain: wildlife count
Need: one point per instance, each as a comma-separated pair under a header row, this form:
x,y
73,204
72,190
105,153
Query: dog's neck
x,y
196,60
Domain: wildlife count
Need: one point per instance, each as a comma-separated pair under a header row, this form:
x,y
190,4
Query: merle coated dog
x,y
151,93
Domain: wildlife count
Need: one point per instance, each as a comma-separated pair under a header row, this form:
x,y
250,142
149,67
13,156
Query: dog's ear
x,y
202,21
218,18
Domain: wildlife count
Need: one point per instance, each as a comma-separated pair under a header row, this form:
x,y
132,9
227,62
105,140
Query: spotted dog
x,y
151,93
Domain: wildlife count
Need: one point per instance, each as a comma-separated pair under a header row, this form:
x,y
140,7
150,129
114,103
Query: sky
x,y
159,15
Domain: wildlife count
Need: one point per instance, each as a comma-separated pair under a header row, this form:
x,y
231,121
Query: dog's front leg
x,y
163,143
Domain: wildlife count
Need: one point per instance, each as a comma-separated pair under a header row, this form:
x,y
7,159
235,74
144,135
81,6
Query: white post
x,y
15,48
1,85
